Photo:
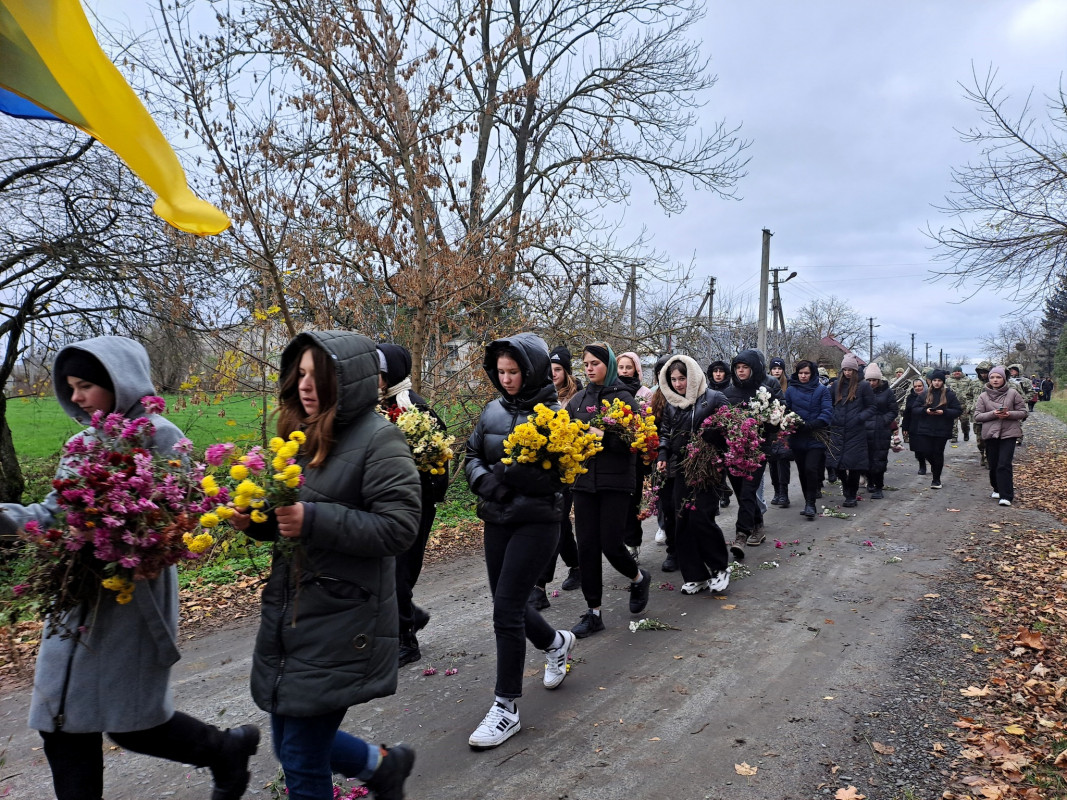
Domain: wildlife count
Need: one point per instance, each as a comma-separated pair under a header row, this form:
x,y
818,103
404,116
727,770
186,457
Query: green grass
x,y
1057,407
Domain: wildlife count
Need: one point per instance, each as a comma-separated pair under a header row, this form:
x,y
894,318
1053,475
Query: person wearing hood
x,y
396,395
853,409
880,429
810,400
602,494
701,546
521,506
933,427
328,631
718,374
982,377
110,671
747,375
629,367
913,407
779,456
1000,411
664,514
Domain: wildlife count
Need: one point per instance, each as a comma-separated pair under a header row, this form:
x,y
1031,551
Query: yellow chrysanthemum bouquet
x,y
551,440
248,481
430,446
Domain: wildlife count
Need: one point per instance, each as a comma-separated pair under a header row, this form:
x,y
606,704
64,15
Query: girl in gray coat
x,y
112,671
1000,410
328,633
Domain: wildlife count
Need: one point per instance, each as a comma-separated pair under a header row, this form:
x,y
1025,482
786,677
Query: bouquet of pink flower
x,y
126,514
741,456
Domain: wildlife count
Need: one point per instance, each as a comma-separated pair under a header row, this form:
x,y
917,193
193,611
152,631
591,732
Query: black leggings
x,y
701,545
77,759
599,523
936,456
810,464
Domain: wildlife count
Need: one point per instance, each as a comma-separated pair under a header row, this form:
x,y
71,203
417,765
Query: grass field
x,y
1057,406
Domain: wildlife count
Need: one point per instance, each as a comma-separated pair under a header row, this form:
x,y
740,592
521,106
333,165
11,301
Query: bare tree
x,y
1004,346
1010,204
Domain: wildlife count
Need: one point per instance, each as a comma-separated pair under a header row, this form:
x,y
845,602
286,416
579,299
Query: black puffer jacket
x,y
613,469
848,428
682,417
879,427
485,446
739,392
328,631
936,426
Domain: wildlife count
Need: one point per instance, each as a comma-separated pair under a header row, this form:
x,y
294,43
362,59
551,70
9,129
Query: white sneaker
x,y
498,726
719,581
1005,502
995,495
694,587
661,537
556,660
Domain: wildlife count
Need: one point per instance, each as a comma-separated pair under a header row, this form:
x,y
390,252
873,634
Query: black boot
x,y
420,618
809,509
670,563
783,501
724,501
387,782
409,649
539,598
231,774
777,498
573,580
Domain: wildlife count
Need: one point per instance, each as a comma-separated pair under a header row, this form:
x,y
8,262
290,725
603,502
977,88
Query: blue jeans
x,y
311,749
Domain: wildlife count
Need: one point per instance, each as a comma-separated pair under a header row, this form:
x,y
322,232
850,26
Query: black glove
x,y
817,425
532,480
614,444
713,437
801,425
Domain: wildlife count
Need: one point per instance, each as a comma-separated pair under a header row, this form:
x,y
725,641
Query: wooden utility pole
x,y
764,280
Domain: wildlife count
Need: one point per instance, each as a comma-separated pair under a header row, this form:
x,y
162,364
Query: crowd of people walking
x,y
364,514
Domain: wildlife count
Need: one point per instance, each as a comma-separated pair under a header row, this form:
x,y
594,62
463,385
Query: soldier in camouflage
x,y
967,391
982,371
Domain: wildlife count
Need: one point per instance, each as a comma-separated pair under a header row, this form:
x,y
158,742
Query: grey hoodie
x,y
120,656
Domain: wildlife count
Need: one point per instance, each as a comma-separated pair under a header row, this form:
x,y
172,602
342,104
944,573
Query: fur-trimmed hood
x,y
697,382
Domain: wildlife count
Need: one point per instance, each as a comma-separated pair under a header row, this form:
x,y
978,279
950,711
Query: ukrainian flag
x,y
49,58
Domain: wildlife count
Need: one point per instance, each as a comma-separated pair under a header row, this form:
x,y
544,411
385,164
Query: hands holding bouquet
x,y
551,440
637,430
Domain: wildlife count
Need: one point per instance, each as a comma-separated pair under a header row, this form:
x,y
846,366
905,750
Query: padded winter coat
x,y
879,433
992,426
935,426
328,630
613,469
485,446
848,428
811,401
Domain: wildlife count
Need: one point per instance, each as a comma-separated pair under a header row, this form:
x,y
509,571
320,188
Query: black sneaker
x,y
231,774
387,782
539,598
420,618
724,502
639,592
573,580
809,510
409,650
670,563
850,502
784,502
876,494
589,624
922,470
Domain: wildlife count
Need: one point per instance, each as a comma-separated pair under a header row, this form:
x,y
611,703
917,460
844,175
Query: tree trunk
x,y
11,480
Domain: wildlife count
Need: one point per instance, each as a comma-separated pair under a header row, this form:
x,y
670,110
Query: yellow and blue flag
x,y
53,68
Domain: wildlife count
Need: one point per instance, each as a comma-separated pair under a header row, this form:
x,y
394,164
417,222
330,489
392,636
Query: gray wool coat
x,y
119,656
328,634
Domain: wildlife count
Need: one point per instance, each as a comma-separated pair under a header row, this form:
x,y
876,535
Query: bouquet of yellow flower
x,y
245,482
430,446
636,429
551,440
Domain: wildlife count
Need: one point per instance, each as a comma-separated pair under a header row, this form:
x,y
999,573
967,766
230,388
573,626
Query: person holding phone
x,y
1001,409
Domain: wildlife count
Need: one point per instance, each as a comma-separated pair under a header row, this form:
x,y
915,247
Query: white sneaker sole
x,y
489,745
695,588
569,642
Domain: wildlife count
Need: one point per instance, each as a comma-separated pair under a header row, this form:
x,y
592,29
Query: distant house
x,y
831,352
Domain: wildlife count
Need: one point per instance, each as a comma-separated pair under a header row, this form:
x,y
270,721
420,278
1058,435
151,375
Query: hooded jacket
x,y
614,468
485,445
718,386
683,415
738,391
113,672
328,629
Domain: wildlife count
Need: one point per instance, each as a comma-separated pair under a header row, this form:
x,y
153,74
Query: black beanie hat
x,y
938,374
397,362
83,364
777,362
562,356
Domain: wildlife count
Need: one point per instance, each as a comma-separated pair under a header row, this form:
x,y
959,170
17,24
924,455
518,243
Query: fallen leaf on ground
x,y
974,691
1028,638
884,749
931,596
1015,730
744,769
851,793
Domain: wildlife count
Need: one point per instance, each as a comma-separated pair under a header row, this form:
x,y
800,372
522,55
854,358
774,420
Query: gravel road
x,y
847,639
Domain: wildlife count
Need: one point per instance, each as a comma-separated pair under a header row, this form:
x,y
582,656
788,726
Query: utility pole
x,y
633,304
776,300
764,276
941,359
871,349
912,349
709,298
927,359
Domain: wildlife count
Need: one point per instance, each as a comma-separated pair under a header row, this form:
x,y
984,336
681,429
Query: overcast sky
x,y
852,110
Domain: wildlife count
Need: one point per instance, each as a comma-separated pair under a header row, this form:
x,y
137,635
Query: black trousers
x,y
999,454
850,482
514,557
634,533
668,513
779,470
810,464
77,759
599,523
699,539
935,454
748,513
567,548
409,563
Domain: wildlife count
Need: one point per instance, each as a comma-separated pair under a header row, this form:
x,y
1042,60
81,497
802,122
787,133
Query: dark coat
x,y
614,469
848,427
485,446
677,426
935,426
909,418
741,392
328,631
719,386
811,401
879,427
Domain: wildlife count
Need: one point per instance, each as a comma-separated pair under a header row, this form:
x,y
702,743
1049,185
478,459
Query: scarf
x,y
400,392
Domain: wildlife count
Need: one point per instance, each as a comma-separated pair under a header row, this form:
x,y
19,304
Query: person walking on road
x,y
779,455
328,632
853,408
880,429
913,407
521,506
1000,409
933,427
110,671
629,367
602,495
810,400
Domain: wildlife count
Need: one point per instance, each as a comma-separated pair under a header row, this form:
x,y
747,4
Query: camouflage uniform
x,y
967,390
982,370
1020,381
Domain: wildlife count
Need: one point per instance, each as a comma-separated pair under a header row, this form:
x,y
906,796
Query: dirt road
x,y
772,674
